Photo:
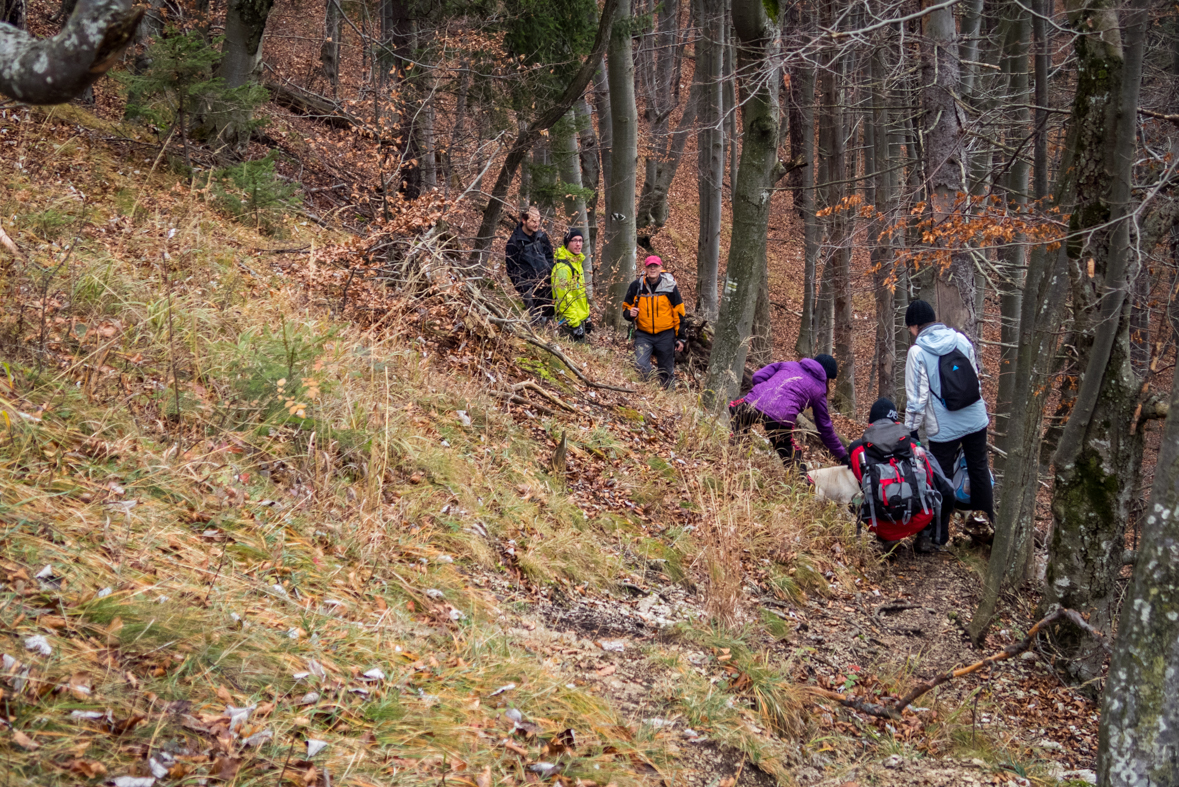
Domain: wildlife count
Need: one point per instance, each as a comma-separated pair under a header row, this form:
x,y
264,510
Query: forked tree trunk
x,y
1098,459
710,154
756,34
618,262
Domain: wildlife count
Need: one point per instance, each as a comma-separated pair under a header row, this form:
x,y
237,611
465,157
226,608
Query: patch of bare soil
x,y
898,625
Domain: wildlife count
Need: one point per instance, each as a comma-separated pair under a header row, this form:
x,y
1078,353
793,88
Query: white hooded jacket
x,y
923,387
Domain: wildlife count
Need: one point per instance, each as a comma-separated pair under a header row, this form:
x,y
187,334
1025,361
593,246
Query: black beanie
x,y
919,313
571,234
883,408
828,364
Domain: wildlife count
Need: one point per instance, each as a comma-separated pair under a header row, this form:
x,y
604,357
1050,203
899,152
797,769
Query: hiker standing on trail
x,y
570,303
654,304
529,261
780,392
945,395
904,493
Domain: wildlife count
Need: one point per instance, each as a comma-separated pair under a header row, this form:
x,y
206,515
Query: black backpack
x,y
895,482
958,380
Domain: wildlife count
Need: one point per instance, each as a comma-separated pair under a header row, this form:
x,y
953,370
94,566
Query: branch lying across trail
x,y
521,330
892,710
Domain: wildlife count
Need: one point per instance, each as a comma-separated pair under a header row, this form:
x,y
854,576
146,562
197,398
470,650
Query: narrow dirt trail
x,y
899,624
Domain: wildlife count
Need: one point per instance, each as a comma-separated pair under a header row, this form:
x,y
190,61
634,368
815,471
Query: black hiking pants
x,y
974,448
745,416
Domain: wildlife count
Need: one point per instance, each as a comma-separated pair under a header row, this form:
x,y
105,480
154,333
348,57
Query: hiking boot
x,y
923,544
887,548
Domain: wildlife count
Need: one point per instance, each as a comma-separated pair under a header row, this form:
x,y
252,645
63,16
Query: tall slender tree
x,y
618,261
710,145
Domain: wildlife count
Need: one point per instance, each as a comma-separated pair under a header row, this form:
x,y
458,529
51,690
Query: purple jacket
x,y
783,390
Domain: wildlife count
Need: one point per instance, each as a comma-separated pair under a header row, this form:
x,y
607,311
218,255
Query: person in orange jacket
x,y
654,304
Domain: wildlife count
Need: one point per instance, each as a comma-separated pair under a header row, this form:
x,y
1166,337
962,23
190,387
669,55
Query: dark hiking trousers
x,y
974,448
535,294
662,346
744,416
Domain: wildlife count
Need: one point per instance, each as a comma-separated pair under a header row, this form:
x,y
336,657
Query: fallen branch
x,y
894,709
517,399
532,386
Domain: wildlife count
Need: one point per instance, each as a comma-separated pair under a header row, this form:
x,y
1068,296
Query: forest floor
x,y
380,574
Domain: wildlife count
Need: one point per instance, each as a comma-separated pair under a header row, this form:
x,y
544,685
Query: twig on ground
x,y
893,709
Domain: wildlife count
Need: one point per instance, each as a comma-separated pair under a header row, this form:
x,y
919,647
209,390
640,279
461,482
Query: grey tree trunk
x,y
710,153
661,92
329,50
606,147
1099,455
241,53
803,94
756,34
832,150
526,139
591,175
953,293
55,70
1012,257
884,186
618,260
1139,715
564,141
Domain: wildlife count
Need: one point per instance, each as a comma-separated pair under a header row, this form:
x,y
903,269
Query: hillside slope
x,y
268,521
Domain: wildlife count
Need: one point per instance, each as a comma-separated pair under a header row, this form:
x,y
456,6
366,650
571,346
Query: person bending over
x,y
780,392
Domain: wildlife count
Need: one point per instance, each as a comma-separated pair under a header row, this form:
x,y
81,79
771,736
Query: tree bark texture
x,y
55,70
329,50
756,35
528,137
802,91
1139,740
833,150
589,156
564,140
710,154
618,262
953,295
241,54
884,187
601,93
1098,459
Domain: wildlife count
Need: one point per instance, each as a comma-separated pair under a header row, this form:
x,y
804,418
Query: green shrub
x,y
253,191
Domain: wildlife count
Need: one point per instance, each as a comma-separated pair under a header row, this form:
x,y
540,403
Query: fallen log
x,y
311,105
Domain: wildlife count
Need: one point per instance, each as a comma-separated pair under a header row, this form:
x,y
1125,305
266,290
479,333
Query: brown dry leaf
x,y
223,694
609,669
52,622
225,768
79,685
126,725
24,741
112,631
484,779
88,768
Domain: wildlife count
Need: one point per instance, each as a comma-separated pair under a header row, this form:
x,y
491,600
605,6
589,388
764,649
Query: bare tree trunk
x,y
54,70
1139,714
803,94
710,153
329,50
544,122
241,53
884,187
661,96
618,263
832,149
756,34
953,290
590,179
1012,257
564,140
1099,455
606,147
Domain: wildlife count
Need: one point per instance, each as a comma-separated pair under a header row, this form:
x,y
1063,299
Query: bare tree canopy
x,y
55,70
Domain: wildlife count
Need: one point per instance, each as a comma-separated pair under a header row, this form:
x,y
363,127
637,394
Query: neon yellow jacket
x,y
569,297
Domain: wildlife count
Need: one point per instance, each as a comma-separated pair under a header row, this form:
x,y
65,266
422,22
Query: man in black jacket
x,y
529,263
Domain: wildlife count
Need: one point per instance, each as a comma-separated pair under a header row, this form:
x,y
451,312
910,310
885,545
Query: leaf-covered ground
x,y
259,533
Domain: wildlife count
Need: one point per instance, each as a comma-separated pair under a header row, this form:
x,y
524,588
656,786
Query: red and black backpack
x,y
899,497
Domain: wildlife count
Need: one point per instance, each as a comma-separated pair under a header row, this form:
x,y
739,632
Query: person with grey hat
x,y
780,392
945,397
